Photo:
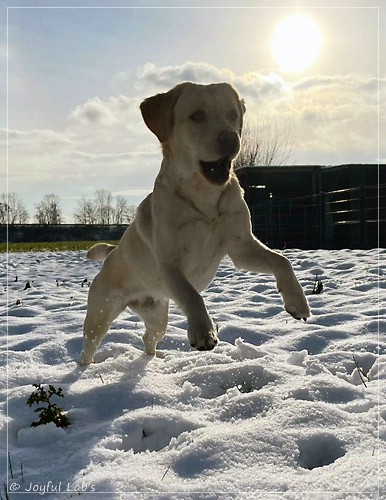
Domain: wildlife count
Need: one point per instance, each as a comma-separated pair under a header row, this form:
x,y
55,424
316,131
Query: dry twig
x,y
361,373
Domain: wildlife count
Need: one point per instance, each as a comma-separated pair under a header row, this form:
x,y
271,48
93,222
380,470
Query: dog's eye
x,y
233,115
198,116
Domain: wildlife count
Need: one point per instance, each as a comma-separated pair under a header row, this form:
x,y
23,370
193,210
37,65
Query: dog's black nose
x,y
228,141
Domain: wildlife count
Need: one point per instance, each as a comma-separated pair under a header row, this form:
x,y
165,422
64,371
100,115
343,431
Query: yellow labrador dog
x,y
195,216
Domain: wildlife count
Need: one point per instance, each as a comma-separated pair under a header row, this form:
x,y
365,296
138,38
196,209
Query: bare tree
x,y
124,213
121,209
85,212
12,209
48,211
265,142
103,207
3,212
132,211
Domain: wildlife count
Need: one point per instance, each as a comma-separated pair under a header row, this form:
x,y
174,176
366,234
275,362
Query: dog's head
x,y
199,126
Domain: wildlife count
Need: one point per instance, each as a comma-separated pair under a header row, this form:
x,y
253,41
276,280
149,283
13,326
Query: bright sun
x,y
296,43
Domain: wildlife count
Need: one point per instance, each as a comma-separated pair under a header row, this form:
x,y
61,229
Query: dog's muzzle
x,y
228,142
217,172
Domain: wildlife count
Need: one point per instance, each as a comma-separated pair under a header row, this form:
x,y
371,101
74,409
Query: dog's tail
x,y
100,251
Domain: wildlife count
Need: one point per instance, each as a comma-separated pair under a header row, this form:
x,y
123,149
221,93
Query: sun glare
x,y
296,43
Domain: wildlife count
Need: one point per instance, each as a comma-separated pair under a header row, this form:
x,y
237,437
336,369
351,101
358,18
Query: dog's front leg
x,y
251,255
201,331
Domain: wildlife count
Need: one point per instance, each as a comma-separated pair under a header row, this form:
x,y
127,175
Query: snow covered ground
x,y
277,410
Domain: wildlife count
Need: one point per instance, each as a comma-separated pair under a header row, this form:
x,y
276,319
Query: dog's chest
x,y
201,249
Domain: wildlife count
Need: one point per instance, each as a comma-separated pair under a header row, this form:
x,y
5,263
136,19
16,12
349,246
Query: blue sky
x,y
77,76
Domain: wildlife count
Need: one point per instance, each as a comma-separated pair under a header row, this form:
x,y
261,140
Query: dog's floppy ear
x,y
240,104
157,112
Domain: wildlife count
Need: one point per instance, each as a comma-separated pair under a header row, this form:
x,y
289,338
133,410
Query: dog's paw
x,y
202,339
84,360
297,306
295,302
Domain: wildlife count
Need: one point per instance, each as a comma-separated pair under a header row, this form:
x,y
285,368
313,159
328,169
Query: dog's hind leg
x,y
104,305
155,316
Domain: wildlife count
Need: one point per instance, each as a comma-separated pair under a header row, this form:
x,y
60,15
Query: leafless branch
x,y
265,141
361,373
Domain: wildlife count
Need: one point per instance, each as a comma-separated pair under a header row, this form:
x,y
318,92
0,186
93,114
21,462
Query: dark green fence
x,y
346,218
31,233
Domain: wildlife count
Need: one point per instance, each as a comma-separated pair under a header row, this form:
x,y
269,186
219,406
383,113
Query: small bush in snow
x,y
318,286
50,413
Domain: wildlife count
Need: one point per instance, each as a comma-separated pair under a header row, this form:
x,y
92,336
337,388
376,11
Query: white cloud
x,y
112,126
166,77
49,140
105,143
117,110
335,114
150,79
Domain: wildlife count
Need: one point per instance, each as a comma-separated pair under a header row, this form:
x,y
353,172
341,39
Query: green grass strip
x,y
54,246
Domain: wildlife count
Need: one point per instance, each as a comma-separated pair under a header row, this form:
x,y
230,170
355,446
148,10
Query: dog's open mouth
x,y
216,172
